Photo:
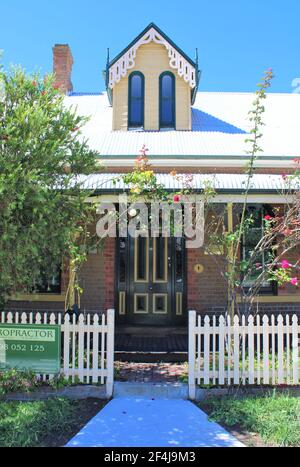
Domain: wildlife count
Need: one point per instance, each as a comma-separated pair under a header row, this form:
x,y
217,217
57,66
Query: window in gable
x,y
167,100
136,93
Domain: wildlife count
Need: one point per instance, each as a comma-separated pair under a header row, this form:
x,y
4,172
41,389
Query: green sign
x,y
34,347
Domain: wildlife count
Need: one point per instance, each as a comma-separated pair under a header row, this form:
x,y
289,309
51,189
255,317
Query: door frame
x,y
180,320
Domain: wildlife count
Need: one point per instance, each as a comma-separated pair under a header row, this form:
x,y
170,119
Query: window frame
x,y
272,288
173,97
130,124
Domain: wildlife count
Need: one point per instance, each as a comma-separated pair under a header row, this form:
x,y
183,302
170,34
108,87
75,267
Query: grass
x,y
28,423
274,417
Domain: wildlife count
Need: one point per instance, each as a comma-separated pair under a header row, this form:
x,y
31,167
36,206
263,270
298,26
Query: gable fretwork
x,y
185,69
151,84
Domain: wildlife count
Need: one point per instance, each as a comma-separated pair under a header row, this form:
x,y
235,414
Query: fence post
x,y
110,352
295,349
192,354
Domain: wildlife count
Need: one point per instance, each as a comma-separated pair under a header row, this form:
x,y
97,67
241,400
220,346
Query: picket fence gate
x,y
245,351
87,344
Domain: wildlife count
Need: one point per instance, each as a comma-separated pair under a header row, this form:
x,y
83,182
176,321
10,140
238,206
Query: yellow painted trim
x,y
122,309
178,303
275,299
230,217
39,297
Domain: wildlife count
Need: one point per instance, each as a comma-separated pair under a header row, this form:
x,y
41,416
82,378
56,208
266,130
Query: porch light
x,y
132,212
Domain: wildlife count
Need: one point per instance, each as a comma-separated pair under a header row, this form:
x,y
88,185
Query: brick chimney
x,y
62,67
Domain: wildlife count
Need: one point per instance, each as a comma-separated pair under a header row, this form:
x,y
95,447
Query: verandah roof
x,y
222,183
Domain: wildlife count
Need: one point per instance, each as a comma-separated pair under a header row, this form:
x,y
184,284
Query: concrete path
x,y
145,422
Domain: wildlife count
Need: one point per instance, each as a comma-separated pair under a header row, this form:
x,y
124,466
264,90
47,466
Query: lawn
x,y
44,423
273,418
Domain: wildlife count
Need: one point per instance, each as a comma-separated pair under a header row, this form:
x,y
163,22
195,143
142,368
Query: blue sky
x,y
237,39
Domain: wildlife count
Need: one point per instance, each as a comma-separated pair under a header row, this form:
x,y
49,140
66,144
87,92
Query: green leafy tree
x,y
43,213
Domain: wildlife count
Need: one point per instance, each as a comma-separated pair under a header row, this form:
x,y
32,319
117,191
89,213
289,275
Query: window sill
x,y
167,128
43,297
275,299
136,128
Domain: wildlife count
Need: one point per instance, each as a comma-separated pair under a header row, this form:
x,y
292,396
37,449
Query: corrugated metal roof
x,y
108,182
219,127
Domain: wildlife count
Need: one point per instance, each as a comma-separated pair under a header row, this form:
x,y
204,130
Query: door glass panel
x,y
141,259
122,260
179,260
160,259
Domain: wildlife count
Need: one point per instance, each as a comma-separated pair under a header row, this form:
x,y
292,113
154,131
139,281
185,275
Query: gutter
x,y
276,162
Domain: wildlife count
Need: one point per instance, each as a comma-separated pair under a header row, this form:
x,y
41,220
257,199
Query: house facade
x,y
153,98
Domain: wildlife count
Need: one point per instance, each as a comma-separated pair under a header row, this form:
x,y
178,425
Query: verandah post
x,y
110,352
192,354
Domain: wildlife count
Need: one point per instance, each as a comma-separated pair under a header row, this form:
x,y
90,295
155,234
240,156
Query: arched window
x,y
167,100
136,100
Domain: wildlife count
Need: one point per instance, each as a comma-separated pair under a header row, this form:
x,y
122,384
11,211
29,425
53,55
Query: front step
x,y
151,390
151,357
151,343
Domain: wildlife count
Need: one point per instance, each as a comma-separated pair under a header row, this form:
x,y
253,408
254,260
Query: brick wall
x,y
207,289
91,280
109,272
62,67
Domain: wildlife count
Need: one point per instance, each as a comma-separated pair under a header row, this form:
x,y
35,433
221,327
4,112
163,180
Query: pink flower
x,y
287,232
294,281
284,176
258,265
34,83
285,264
144,150
297,160
176,198
268,218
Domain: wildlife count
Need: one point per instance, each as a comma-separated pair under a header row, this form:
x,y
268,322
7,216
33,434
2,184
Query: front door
x,y
151,281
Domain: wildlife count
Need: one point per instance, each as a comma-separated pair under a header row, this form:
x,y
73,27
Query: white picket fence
x,y
252,351
87,344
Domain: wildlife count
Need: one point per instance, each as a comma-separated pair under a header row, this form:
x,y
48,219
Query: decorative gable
x,y
178,61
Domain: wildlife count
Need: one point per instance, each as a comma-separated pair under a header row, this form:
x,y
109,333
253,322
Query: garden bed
x,y
50,423
269,420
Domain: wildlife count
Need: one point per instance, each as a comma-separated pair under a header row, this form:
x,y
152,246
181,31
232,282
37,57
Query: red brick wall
x,y
109,272
62,67
206,290
91,280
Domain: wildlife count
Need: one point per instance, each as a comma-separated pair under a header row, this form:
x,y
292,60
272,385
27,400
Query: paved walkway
x,y
144,422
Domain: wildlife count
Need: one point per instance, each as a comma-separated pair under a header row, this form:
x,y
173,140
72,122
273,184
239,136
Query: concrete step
x,y
151,390
151,357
